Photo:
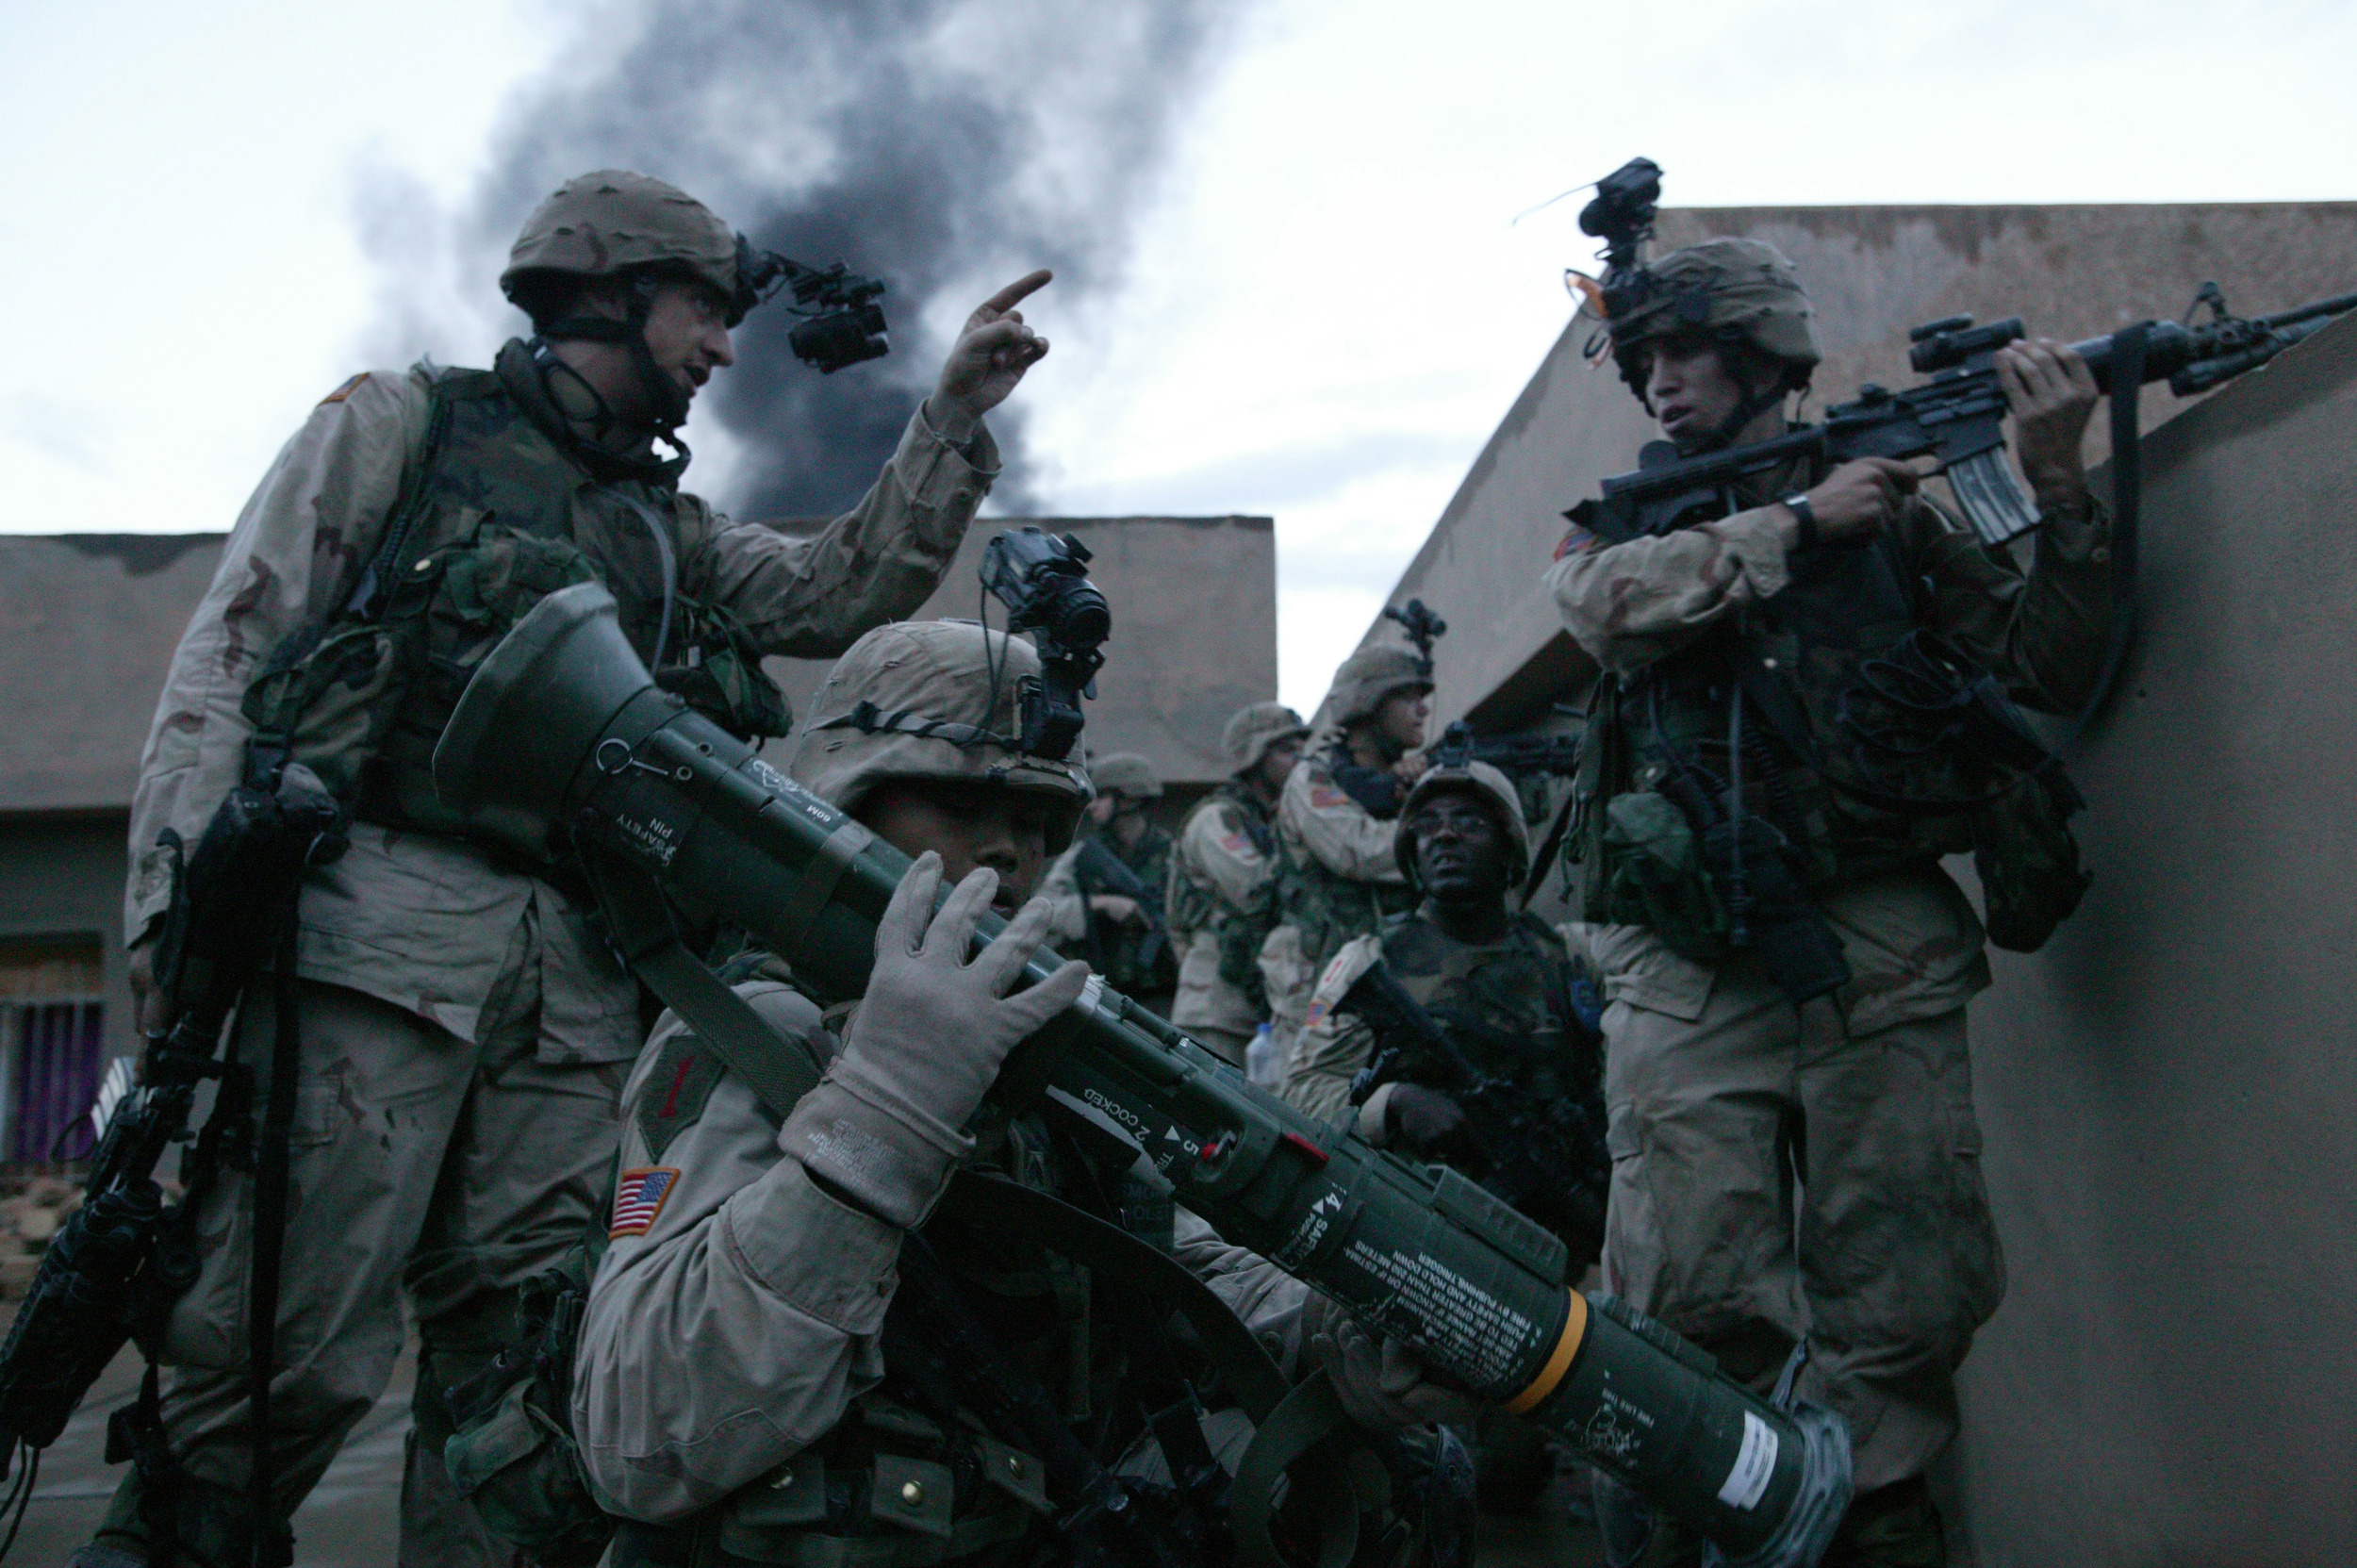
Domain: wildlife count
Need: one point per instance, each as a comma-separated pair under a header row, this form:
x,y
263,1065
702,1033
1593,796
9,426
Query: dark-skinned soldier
x,y
1786,741
463,1026
1512,998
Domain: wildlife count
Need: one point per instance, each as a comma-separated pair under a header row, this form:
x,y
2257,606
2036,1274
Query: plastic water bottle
x,y
1260,1058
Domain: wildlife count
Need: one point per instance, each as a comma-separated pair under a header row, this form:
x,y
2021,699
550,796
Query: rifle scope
x,y
562,734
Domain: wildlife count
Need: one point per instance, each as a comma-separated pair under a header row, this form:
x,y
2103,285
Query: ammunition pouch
x,y
513,1456
1651,872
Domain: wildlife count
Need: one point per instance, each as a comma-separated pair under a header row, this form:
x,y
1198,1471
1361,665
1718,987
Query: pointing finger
x,y
1015,292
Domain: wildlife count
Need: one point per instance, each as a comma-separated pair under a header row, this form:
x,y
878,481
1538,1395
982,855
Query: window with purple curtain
x,y
57,1052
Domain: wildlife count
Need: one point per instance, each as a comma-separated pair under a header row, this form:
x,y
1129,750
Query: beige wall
x,y
2169,1092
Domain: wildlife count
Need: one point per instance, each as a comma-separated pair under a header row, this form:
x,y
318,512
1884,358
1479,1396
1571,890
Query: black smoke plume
x,y
946,146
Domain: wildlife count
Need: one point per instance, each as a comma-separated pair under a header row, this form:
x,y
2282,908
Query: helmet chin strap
x,y
666,400
1753,404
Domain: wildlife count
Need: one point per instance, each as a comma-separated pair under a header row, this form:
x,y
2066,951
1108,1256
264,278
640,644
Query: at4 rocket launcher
x,y
563,735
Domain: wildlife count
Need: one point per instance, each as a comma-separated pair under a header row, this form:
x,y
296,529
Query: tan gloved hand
x,y
1383,1387
883,1125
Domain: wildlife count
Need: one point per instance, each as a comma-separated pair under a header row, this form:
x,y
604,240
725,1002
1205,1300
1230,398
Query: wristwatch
x,y
1797,504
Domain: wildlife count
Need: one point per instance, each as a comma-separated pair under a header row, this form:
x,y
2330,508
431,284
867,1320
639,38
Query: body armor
x,y
503,511
1861,743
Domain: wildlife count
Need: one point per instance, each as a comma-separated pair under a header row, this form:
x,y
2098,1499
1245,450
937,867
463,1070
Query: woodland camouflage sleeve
x,y
2045,633
812,598
1629,605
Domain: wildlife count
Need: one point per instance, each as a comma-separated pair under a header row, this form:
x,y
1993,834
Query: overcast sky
x,y
1326,308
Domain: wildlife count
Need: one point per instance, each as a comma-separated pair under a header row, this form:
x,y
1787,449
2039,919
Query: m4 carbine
x,y
1099,869
121,1261
563,731
1957,415
1545,1158
1517,756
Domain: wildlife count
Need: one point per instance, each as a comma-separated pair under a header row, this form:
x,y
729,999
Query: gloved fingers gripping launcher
x,y
562,731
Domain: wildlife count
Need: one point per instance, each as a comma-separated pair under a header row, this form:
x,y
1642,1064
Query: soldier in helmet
x,y
1778,758
1108,889
1337,876
1510,998
1219,881
463,1028
762,1376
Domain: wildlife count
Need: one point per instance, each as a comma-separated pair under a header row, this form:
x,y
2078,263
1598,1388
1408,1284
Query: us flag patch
x,y
638,1197
1325,798
1316,1015
345,390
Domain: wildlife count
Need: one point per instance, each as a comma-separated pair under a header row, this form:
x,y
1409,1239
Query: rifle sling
x,y
2126,385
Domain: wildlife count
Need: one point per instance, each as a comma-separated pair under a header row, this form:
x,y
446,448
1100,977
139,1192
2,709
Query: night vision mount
x,y
1622,215
1043,580
842,323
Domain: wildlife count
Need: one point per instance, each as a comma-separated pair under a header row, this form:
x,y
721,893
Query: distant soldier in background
x,y
1219,881
1106,890
1337,876
1510,998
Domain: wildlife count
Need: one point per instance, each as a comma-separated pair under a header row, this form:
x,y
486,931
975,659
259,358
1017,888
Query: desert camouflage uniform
x,y
1729,1110
464,1029
733,1356
1336,876
1219,885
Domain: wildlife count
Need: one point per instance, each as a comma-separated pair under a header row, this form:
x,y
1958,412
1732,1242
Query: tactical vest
x,y
1327,908
1526,1017
499,516
1509,1005
1863,745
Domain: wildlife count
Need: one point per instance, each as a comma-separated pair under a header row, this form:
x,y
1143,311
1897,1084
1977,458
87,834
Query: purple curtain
x,y
59,1055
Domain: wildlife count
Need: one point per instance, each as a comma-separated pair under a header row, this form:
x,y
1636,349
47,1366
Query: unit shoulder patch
x,y
676,1092
345,390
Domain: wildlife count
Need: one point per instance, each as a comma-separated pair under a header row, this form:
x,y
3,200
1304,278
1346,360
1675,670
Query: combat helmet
x,y
1371,675
613,224
1735,290
930,700
1252,731
1485,784
1126,773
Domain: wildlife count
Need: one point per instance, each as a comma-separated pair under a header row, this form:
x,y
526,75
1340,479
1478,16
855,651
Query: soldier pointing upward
x,y
463,1028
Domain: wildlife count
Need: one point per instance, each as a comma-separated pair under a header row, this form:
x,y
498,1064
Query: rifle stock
x,y
563,724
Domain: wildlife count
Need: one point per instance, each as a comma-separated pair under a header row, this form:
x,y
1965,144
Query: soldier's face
x,y
1460,852
687,331
1277,764
967,825
1692,393
1402,717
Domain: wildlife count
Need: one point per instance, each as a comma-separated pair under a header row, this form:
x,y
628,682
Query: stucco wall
x,y
2169,1092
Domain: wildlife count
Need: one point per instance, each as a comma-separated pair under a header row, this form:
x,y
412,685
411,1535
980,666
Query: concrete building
x,y
89,622
2167,1093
